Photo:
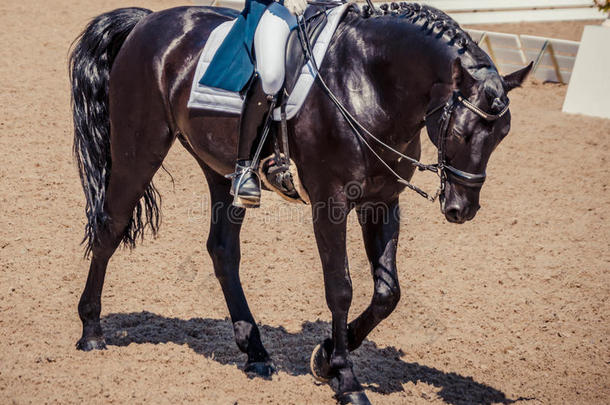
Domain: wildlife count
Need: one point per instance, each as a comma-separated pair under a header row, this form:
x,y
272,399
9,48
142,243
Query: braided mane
x,y
433,22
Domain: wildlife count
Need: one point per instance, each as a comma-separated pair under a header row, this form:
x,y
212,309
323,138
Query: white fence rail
x,y
503,11
497,5
553,58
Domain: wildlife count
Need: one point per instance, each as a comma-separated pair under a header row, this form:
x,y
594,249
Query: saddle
x,y
296,56
225,96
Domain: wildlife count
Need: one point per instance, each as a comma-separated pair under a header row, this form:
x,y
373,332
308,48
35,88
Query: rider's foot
x,y
246,186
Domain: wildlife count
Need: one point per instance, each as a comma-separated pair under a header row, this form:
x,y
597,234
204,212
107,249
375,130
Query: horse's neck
x,y
395,67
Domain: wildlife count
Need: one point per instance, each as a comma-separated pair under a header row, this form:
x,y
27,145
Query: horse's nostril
x,y
453,214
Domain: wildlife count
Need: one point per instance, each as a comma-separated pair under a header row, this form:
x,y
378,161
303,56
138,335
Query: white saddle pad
x,y
211,98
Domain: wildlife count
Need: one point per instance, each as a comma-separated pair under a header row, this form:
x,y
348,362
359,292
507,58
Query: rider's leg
x,y
270,46
270,50
246,184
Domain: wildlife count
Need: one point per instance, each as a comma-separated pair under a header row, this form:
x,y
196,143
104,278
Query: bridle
x,y
441,168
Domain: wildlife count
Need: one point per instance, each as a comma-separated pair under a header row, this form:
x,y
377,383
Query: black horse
x,y
131,73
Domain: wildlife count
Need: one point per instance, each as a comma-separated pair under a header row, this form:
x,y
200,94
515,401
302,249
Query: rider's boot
x,y
246,185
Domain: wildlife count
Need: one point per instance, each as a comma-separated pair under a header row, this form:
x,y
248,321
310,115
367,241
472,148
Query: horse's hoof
x,y
92,343
319,364
353,398
264,369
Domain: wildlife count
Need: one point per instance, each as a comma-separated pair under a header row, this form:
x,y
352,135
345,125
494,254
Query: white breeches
x,y
270,46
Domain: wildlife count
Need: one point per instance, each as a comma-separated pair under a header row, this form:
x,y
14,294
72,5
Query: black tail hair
x,y
90,62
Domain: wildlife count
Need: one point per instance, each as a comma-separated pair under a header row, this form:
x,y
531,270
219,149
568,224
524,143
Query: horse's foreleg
x,y
380,228
224,248
330,231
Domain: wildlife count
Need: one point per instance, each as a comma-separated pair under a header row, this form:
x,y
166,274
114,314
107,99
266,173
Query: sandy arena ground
x,y
510,307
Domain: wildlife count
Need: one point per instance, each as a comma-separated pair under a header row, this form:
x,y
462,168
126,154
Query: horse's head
x,y
466,130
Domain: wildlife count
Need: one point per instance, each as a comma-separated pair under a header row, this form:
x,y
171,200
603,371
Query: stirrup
x,y
245,174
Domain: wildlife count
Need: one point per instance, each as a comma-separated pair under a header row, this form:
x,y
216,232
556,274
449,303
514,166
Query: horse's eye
x,y
497,105
458,135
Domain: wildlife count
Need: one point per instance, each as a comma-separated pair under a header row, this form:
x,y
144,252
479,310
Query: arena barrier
x,y
505,11
589,89
553,58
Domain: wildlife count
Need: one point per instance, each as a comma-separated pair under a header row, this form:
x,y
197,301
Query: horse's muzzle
x,y
459,214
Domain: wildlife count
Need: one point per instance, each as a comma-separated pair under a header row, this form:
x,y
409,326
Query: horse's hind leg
x,y
135,161
224,248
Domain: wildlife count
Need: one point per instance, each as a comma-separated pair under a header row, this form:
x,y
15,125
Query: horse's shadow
x,y
380,369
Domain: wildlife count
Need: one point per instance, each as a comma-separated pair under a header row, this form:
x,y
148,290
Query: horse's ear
x,y
460,78
515,79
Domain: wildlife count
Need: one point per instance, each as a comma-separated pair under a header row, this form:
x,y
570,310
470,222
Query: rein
x,y
441,168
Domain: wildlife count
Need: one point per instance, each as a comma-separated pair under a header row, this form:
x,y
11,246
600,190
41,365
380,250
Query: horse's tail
x,y
90,62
